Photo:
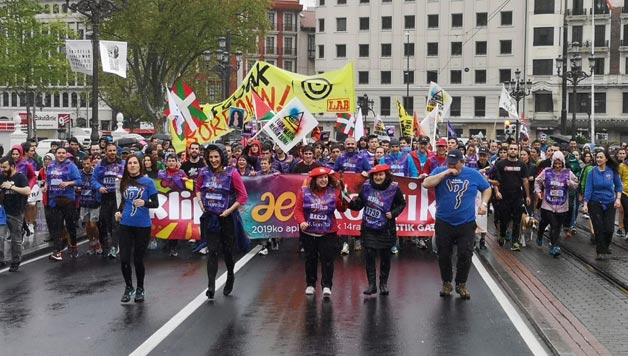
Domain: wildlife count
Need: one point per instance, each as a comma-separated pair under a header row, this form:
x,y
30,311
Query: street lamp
x,y
224,68
574,76
95,11
407,74
366,105
518,89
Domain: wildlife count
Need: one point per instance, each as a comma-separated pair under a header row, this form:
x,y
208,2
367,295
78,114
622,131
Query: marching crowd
x,y
110,189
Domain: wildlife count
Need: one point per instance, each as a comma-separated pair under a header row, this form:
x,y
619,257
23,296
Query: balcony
x,y
578,14
602,45
289,51
623,45
601,14
289,27
270,50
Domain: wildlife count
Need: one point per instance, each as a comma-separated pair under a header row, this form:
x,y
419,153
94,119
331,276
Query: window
x,y
456,48
543,102
386,22
408,22
600,103
341,2
583,102
408,77
479,106
456,20
455,77
65,100
5,99
271,19
432,76
311,45
321,51
408,49
386,49
288,65
576,34
364,1
505,47
270,45
408,103
321,2
599,66
506,18
432,21
480,48
384,105
341,24
321,25
543,36
432,48
363,77
481,19
385,77
505,75
364,23
578,7
288,46
363,50
542,66
288,22
341,51
600,36
480,76
543,7
454,109
624,103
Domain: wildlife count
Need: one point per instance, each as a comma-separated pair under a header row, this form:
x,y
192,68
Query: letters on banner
x,y
79,54
269,211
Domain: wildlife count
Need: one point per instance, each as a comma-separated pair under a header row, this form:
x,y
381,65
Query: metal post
x,y
407,76
573,108
227,62
563,110
95,60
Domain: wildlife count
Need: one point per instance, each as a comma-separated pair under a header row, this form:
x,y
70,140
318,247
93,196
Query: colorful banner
x,y
269,211
332,92
291,125
437,97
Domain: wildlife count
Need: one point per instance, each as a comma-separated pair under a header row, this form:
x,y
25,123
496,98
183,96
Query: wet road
x,y
72,308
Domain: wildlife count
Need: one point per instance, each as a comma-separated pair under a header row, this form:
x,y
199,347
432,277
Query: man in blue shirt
x,y
456,188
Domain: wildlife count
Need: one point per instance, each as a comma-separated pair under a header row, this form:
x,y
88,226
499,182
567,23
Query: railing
x,y
602,11
270,50
576,12
291,51
601,43
289,27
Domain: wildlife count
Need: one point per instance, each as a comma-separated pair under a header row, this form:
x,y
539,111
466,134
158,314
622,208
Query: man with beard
x,y
15,190
106,173
440,158
195,162
351,161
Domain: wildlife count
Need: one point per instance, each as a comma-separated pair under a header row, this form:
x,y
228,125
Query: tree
x,y
166,40
31,61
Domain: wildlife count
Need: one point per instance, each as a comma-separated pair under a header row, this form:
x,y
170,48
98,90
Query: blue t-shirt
x,y
455,195
133,215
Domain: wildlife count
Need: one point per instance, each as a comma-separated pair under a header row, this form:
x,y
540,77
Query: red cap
x,y
320,171
380,168
441,142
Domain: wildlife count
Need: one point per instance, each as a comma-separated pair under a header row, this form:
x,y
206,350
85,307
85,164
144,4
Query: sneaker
x,y
447,289
274,244
555,251
14,267
515,247
415,241
128,293
600,257
174,253
345,249
113,252
357,245
482,243
309,290
326,292
30,229
203,251
462,291
539,241
98,248
139,295
263,251
152,245
568,234
91,249
422,245
73,251
573,231
501,240
192,241
394,250
55,256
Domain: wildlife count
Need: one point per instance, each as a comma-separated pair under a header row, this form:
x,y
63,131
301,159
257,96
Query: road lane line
x,y
160,335
526,334
37,258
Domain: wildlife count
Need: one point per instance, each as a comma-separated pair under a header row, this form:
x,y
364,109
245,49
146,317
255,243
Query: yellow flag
x,y
405,121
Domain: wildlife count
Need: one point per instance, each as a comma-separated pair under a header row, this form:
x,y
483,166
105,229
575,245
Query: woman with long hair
x,y
138,194
602,195
150,164
221,191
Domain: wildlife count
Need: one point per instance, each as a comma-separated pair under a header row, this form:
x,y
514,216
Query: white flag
x,y
359,125
509,104
291,125
437,97
79,54
175,113
113,57
430,121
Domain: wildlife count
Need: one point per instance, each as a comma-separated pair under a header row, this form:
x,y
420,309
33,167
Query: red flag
x,y
263,111
183,104
418,130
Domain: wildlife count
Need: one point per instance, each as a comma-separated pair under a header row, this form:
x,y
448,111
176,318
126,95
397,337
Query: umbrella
x,y
560,138
162,136
127,141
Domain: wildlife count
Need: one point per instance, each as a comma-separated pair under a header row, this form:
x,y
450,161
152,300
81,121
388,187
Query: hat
x,y
424,139
543,136
394,142
50,156
126,150
320,171
380,168
441,142
558,156
454,156
483,151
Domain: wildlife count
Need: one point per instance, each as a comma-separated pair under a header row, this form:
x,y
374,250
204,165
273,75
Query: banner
x,y
269,211
405,121
332,92
113,57
359,130
379,129
79,54
437,97
290,125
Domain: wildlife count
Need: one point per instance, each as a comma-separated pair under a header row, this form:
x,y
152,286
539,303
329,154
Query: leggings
x,y
133,240
224,241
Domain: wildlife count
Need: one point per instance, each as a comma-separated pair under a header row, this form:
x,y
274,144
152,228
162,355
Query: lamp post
x,y
518,89
574,76
407,74
366,105
95,11
224,68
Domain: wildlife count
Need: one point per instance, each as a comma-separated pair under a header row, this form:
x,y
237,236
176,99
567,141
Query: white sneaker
x,y
263,251
309,290
192,241
203,251
357,245
422,245
326,292
345,249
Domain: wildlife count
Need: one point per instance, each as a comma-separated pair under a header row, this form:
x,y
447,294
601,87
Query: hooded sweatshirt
x,y
555,185
24,167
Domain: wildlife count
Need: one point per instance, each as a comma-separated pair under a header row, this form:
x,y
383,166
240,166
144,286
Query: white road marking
x,y
37,258
526,334
174,322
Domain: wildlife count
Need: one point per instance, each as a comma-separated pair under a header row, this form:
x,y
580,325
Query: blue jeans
x,y
575,206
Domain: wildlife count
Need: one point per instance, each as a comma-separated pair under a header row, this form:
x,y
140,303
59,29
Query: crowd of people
x,y
110,189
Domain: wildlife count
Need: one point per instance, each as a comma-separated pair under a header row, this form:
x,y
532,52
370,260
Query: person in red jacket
x,y
314,212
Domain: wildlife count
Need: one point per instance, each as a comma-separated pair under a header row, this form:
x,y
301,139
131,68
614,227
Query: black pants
x,y
106,220
624,204
224,241
133,240
510,209
370,258
319,247
603,223
555,221
447,236
58,215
